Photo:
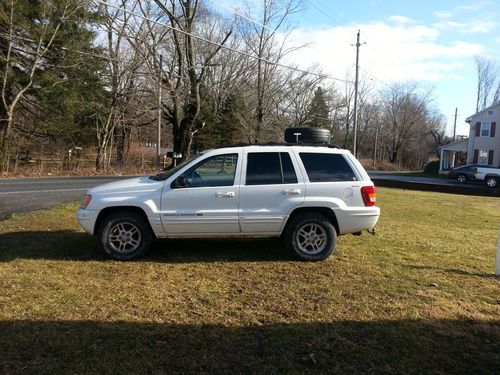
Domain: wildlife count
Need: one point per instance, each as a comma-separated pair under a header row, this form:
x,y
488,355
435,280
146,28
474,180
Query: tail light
x,y
369,194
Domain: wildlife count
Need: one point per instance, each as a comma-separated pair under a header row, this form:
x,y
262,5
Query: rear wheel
x,y
125,235
461,178
491,182
311,236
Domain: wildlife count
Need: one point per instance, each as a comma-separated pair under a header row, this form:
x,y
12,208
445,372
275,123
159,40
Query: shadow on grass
x,y
70,245
452,270
438,346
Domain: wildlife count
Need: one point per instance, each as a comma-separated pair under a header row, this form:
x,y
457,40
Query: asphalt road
x,y
20,195
396,176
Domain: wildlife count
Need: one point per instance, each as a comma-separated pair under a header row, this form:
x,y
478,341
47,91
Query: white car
x,y
490,175
308,195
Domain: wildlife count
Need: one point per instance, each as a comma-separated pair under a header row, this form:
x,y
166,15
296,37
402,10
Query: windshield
x,y
164,175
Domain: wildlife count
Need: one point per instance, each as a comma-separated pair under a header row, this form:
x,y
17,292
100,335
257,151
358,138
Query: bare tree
x,y
186,65
406,112
123,64
487,71
261,38
437,129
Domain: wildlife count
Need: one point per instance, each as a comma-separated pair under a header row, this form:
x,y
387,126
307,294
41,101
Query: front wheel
x,y
311,236
461,178
491,182
125,235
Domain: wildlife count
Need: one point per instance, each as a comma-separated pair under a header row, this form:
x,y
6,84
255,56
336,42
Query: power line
x,y
348,31
371,44
241,15
219,44
373,77
264,26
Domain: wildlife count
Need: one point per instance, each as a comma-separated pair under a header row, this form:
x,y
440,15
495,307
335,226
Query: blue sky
x,y
430,42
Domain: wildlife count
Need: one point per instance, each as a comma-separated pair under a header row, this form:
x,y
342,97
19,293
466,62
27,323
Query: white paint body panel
x,y
482,172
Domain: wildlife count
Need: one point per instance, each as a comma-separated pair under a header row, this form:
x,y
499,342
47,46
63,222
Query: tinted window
x,y
268,168
289,176
214,171
326,167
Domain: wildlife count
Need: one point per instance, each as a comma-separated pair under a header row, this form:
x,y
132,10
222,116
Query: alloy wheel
x,y
124,237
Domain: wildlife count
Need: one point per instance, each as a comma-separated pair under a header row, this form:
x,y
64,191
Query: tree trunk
x,y
5,130
120,137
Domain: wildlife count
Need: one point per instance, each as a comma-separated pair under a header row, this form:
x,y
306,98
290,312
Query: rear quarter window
x,y
327,167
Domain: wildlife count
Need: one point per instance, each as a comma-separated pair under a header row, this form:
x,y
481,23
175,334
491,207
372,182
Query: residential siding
x,y
484,143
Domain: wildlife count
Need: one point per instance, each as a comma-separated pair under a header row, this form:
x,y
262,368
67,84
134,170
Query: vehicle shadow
x,y
78,246
351,347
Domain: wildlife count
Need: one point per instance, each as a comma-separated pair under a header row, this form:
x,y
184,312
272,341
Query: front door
x,y
205,200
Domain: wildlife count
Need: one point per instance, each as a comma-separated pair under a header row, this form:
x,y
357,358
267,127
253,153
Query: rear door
x,y
270,188
332,177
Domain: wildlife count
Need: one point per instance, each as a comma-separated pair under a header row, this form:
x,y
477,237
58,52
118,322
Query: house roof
x,y
454,145
468,119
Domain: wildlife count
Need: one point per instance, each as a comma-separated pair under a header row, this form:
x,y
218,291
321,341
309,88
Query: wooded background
x,y
81,83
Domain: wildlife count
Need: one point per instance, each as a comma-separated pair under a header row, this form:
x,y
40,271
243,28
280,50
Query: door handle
x,y
229,194
291,192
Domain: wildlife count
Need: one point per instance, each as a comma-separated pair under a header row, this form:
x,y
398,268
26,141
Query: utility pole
x,y
356,81
158,139
375,147
455,125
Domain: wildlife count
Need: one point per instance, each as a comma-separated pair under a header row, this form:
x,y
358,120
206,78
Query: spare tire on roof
x,y
307,135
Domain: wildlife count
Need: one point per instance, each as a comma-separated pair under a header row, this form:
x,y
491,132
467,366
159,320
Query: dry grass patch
x,y
418,297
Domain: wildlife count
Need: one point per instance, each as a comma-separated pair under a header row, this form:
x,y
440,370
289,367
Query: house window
x,y
485,129
491,113
483,157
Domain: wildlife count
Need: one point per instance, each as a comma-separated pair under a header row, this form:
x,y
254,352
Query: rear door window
x,y
327,167
270,168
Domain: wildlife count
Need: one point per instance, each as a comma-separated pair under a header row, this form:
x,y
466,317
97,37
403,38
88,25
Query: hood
x,y
129,185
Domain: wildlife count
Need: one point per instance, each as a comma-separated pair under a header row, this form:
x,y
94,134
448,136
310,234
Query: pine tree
x,y
230,118
318,111
47,55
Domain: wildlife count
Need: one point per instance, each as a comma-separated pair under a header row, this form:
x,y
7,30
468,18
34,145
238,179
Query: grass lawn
x,y
420,297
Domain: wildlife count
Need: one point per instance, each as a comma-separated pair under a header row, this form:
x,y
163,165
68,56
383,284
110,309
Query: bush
x,y
432,167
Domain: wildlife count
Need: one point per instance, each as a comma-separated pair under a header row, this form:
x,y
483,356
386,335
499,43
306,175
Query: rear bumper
x,y
357,219
87,219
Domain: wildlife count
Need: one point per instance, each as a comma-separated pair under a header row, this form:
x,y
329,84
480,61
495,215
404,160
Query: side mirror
x,y
179,182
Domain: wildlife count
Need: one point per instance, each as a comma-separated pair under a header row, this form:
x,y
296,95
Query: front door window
x,y
214,171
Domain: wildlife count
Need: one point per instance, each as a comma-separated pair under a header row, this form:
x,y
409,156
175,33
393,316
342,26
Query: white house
x,y
483,144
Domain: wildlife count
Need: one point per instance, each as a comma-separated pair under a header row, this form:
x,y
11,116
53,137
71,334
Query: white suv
x,y
490,175
308,195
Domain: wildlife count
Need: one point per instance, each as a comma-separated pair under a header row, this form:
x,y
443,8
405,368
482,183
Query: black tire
x,y
491,181
307,135
305,222
117,225
461,178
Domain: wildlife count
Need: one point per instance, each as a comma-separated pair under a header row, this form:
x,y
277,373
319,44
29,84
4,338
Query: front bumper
x,y
86,219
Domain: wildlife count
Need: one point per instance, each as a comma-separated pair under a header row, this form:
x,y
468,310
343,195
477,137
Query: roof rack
x,y
281,144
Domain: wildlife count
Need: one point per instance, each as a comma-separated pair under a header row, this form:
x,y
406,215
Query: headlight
x,y
86,200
